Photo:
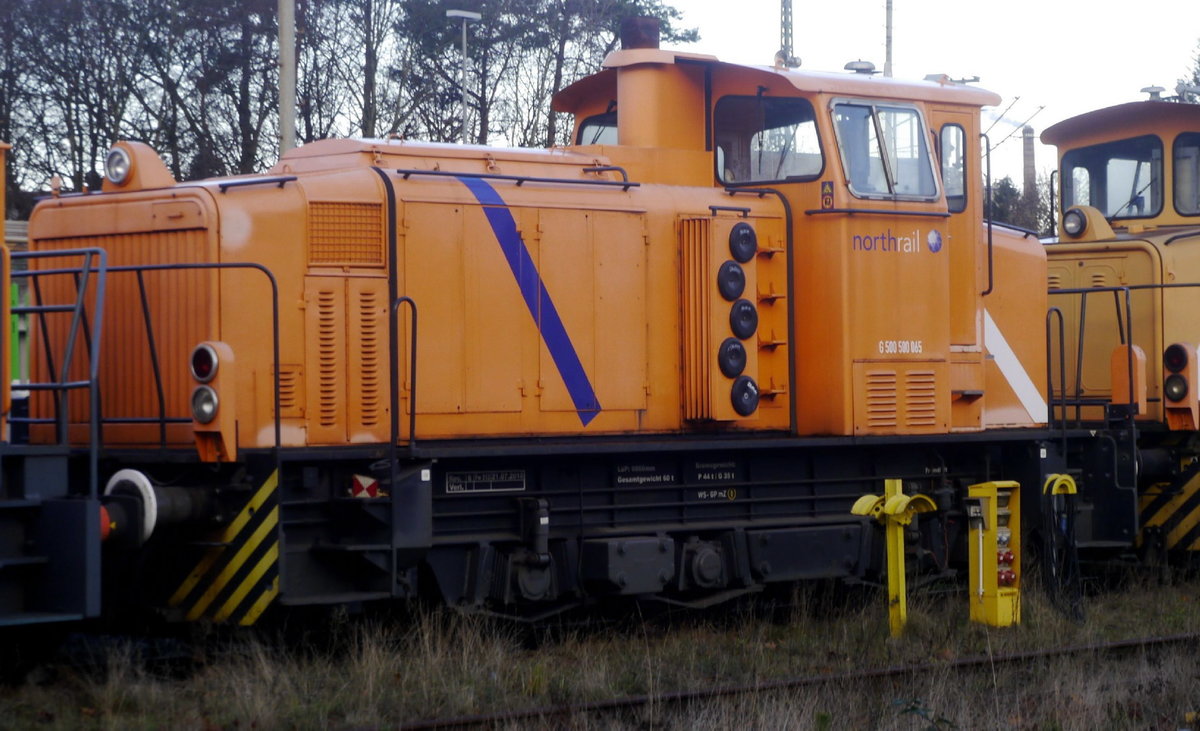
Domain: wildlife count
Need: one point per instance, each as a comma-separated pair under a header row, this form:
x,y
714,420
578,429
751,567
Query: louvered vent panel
x,y
694,241
371,401
920,398
881,398
290,392
1054,280
345,234
329,383
1099,279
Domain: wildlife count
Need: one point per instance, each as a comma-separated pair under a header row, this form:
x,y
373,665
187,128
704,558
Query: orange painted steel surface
x,y
558,296
1151,246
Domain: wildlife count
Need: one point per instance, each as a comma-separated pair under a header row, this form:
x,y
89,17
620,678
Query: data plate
x,y
485,481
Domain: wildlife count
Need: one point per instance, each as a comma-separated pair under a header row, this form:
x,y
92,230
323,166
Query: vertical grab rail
x,y
412,379
393,462
1051,314
988,206
154,365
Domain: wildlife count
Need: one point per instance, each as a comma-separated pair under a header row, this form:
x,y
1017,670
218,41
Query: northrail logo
x,y
904,242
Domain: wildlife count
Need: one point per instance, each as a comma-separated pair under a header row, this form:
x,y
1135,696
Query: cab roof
x,y
842,84
1124,120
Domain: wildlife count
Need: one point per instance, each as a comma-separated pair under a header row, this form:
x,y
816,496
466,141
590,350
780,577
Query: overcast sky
x,y
1068,57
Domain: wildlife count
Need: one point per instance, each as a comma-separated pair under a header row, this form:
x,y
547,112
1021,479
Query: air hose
x,y
1060,555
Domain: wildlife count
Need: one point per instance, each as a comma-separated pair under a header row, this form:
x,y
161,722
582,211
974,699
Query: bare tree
x,y
197,78
1192,80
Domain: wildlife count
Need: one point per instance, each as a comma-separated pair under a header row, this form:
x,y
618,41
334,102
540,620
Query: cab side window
x,y
954,167
1124,179
884,151
1187,173
765,139
598,129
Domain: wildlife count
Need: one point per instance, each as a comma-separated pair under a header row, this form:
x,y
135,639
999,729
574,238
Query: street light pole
x,y
287,75
465,15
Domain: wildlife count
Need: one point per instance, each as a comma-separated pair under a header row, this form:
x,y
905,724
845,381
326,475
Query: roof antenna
x,y
1155,92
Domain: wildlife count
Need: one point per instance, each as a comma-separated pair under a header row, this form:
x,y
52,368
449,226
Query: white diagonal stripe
x,y
1012,370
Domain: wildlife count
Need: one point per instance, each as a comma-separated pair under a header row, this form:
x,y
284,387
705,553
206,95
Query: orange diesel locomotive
x,y
663,361
1124,278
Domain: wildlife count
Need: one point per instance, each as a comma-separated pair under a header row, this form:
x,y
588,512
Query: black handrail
x,y
1125,327
743,212
608,169
97,420
877,212
274,321
278,181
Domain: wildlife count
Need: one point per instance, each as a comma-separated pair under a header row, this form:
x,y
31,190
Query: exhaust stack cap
x,y
640,32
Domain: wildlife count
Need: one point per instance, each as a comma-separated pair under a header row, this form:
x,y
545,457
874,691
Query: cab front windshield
x,y
1122,179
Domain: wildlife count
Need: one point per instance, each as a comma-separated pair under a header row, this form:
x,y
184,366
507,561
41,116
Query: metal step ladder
x,y
50,525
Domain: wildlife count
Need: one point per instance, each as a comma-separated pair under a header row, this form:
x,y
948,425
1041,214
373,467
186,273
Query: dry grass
x,y
440,664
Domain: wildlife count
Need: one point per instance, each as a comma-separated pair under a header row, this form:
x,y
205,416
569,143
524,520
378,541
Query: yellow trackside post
x,y
994,516
894,510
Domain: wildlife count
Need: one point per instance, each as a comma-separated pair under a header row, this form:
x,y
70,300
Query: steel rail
x,y
724,691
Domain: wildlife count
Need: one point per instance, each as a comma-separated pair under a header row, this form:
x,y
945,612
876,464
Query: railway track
x,y
681,698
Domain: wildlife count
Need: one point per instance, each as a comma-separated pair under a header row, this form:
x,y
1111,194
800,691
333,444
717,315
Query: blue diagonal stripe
x,y
537,299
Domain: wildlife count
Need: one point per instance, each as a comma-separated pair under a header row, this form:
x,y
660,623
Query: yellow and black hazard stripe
x,y
238,577
1174,511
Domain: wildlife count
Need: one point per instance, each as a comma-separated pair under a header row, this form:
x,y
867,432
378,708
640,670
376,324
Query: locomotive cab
x,y
891,312
1129,231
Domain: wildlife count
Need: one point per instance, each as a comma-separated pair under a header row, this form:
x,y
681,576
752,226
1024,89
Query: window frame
x,y
1175,187
966,194
1067,167
716,132
612,113
891,195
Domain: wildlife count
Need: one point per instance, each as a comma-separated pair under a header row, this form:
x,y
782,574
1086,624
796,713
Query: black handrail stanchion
x,y
987,202
154,365
1051,314
412,376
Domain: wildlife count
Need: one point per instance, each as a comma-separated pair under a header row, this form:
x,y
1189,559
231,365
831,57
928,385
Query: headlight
x,y
731,357
1074,222
743,242
1175,388
204,404
731,280
204,363
743,319
1175,358
117,165
744,395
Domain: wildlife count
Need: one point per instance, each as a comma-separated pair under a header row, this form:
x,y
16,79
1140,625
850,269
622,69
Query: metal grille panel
x,y
345,234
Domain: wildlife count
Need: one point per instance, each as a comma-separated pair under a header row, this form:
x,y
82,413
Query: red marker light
x,y
204,363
